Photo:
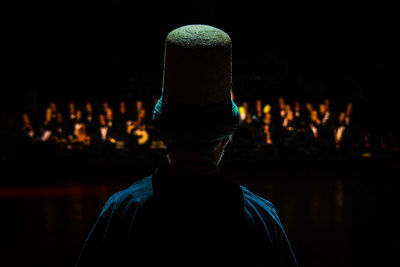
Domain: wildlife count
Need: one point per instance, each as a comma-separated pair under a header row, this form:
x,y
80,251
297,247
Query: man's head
x,y
297,106
53,106
25,119
314,116
48,114
109,114
59,117
322,109
89,107
259,106
195,111
105,106
349,108
309,107
341,117
102,119
139,105
78,115
122,107
281,103
71,107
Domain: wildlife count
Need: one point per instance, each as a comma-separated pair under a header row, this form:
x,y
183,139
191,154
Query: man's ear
x,y
225,141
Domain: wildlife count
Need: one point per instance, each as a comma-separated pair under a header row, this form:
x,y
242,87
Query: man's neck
x,y
184,159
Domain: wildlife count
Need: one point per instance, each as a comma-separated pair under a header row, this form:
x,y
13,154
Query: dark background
x,y
336,212
114,50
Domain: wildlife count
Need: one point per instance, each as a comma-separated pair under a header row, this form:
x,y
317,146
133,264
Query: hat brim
x,y
187,124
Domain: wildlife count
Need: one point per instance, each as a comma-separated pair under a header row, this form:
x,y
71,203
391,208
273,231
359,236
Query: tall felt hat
x,y
195,105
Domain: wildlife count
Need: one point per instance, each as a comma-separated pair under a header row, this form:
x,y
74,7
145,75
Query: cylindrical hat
x,y
196,104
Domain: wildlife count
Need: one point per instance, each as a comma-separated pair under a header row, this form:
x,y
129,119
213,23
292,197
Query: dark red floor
x,y
332,218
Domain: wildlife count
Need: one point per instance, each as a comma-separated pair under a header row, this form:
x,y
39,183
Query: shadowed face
x,y
89,108
314,115
258,106
59,117
53,106
25,119
297,106
122,107
139,105
102,120
327,103
109,114
322,109
48,114
309,107
281,103
248,118
349,109
290,115
342,116
78,115
105,106
71,107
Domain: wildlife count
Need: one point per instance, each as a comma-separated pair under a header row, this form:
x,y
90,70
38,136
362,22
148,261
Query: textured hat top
x,y
194,36
197,65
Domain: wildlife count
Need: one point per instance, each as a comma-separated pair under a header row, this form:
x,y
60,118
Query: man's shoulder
x,y
257,206
138,193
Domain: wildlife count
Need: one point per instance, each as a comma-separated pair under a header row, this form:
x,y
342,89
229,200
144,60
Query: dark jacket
x,y
182,217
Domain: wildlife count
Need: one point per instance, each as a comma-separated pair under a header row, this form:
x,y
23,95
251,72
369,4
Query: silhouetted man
x,y
186,213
